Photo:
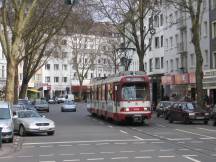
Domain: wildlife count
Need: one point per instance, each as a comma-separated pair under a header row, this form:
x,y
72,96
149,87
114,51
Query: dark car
x,y
213,115
41,105
187,112
162,108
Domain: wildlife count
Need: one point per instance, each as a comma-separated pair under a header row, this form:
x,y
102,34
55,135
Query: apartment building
x,y
3,68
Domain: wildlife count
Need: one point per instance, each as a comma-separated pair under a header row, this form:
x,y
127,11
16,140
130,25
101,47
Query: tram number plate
x,y
137,118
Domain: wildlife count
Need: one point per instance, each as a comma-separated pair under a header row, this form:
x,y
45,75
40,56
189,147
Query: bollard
x,y
0,137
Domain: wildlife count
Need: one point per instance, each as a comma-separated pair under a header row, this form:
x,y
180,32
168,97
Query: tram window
x,y
134,92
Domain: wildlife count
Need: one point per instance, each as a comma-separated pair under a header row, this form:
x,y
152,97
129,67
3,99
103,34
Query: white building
x,y
3,68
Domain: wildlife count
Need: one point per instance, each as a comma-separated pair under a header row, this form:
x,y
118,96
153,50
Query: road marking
x,y
210,130
190,155
180,130
65,145
160,125
6,157
170,156
123,132
127,151
72,160
150,150
87,153
48,155
120,143
84,144
95,159
196,141
99,144
24,156
26,147
46,146
165,150
179,139
66,154
157,142
107,152
139,142
110,126
93,141
143,157
192,159
118,158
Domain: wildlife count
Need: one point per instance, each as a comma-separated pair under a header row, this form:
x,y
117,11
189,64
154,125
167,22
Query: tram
x,y
122,97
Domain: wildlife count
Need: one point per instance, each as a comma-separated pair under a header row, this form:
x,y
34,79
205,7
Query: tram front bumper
x,y
136,117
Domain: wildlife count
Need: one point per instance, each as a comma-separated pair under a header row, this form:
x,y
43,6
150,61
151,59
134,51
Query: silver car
x,y
41,105
68,105
28,121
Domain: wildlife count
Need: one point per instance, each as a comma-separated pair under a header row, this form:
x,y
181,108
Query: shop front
x,y
167,82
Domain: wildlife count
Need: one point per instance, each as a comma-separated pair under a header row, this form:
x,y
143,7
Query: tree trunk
x,y
141,64
16,84
23,89
9,93
81,90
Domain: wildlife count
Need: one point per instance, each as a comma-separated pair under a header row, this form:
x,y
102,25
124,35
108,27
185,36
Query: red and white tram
x,y
122,97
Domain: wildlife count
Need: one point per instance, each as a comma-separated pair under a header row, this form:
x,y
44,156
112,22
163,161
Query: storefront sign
x,y
192,78
209,73
182,78
167,80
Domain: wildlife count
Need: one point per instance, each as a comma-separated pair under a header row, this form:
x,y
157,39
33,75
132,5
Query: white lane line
x,y
179,139
139,142
64,145
130,151
72,160
207,138
83,144
157,142
192,159
48,155
99,144
150,150
110,126
196,141
120,143
140,130
118,158
210,130
107,152
66,154
139,138
166,150
170,156
6,157
143,157
190,155
46,146
95,159
26,147
123,132
180,130
87,153
24,156
93,141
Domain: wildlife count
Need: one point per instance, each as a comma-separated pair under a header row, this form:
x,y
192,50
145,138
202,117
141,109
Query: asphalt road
x,y
82,138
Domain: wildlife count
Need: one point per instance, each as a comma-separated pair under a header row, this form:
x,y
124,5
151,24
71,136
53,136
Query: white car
x,y
28,121
68,105
60,99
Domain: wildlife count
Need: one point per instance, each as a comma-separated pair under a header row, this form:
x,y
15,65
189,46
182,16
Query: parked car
x,y
28,121
51,101
68,106
26,104
60,99
187,112
41,105
6,122
162,108
213,115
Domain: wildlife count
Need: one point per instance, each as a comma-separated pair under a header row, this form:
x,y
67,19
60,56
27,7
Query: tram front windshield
x,y
134,92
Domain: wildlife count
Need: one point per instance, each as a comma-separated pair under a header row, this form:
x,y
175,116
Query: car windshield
x,y
189,106
41,102
134,92
28,114
69,102
4,113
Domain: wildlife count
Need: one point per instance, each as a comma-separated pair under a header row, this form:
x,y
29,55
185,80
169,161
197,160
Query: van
x,y
6,121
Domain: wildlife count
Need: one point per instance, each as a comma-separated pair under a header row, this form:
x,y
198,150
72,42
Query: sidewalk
x,y
6,149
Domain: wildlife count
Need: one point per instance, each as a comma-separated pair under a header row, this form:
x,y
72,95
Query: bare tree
x,y
129,17
16,24
194,11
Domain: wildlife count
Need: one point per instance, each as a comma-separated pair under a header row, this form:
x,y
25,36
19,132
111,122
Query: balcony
x,y
181,48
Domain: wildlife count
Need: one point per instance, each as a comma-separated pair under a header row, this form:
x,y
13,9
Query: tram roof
x,y
117,77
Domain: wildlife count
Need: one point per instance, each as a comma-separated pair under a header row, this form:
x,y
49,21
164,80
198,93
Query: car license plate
x,y
199,117
43,128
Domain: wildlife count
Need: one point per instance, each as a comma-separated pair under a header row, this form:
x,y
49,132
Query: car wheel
x,y
205,122
51,133
21,130
170,119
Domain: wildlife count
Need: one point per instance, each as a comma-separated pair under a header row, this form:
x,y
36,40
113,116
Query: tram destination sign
x,y
135,79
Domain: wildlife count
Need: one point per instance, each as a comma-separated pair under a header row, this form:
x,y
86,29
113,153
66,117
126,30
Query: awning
x,y
33,90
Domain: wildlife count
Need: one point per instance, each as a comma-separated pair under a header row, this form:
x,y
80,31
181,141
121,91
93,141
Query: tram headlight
x,y
127,109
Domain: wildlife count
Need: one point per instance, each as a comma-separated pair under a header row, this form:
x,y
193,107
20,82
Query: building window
x,y
214,29
47,79
167,66
64,79
146,67
177,40
177,63
56,66
47,66
214,54
86,60
171,42
176,16
205,28
157,42
92,75
206,57
64,55
161,20
162,62
99,61
171,65
157,63
161,41
156,21
192,59
150,65
64,66
56,79
167,43
213,4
